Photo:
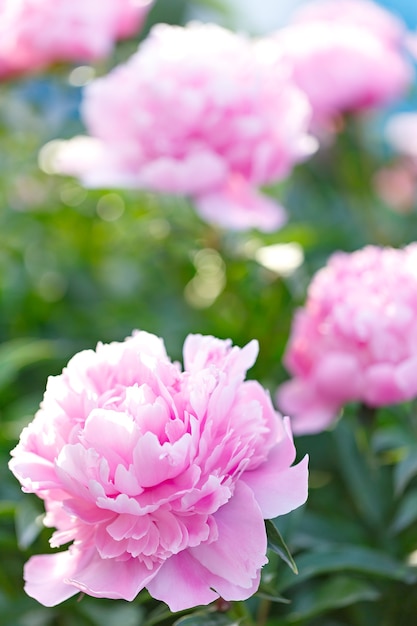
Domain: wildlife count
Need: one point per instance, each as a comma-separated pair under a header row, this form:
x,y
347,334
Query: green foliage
x,y
78,266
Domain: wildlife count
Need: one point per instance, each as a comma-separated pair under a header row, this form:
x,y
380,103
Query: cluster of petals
x,y
347,56
200,111
36,33
355,339
158,477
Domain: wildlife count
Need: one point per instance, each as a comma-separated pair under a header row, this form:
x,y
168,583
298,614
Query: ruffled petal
x,y
277,487
46,576
240,550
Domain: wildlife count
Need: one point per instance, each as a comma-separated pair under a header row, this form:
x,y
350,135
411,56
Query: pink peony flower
x,y
198,111
160,478
366,13
347,56
36,33
355,339
401,133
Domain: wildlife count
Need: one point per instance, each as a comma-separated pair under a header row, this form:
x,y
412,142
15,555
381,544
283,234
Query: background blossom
x,y
198,111
356,337
337,50
156,474
36,33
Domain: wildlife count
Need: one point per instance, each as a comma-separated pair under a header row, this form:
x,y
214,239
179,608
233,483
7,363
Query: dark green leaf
x,y
406,513
277,544
28,522
272,597
405,470
337,592
106,614
16,354
362,560
360,474
205,619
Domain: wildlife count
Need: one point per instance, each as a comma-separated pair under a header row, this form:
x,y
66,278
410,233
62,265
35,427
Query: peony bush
x,y
223,119
37,33
355,339
156,475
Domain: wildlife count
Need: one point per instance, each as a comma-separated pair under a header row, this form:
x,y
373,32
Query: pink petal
x,y
109,578
406,377
278,491
154,463
240,207
182,582
240,550
381,386
46,576
268,480
309,412
196,173
35,473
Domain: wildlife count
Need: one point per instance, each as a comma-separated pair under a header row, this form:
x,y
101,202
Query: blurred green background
x,y
80,266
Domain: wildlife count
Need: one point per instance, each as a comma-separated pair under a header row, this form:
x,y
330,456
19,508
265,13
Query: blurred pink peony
x,y
366,13
355,339
347,56
36,33
161,478
401,133
198,111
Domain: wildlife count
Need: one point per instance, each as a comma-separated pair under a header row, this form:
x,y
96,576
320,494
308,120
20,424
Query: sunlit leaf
x,y
18,353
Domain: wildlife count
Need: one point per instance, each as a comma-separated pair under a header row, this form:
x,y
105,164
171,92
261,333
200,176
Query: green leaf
x,y
18,353
28,522
314,531
360,474
272,597
205,619
365,561
335,593
405,470
406,513
104,614
390,438
277,544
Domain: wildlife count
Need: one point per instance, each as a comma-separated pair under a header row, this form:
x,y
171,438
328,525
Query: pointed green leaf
x,y
406,514
360,475
277,544
405,470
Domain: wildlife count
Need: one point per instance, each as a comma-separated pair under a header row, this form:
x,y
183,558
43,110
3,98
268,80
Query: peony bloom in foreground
x,y
200,111
355,339
37,33
347,56
160,478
